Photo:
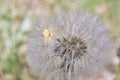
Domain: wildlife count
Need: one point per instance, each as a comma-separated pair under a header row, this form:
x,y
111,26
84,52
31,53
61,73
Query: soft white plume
x,y
70,47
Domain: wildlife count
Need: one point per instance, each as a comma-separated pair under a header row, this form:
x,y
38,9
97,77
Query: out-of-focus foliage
x,y
16,17
12,37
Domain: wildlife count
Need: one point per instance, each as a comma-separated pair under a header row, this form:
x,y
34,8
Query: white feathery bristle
x,y
70,47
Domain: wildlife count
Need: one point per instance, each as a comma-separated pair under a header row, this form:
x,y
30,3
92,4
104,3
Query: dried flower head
x,y
70,47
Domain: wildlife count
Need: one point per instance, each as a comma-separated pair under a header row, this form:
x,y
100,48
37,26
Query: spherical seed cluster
x,y
70,47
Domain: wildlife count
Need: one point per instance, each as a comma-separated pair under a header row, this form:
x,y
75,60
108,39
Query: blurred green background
x,y
17,17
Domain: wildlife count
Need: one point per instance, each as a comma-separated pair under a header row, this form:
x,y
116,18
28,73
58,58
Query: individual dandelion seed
x,y
70,47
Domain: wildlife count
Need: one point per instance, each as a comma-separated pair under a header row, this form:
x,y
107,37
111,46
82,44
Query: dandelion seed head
x,y
70,47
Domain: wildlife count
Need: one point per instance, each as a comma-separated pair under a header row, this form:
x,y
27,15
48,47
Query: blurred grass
x,y
16,18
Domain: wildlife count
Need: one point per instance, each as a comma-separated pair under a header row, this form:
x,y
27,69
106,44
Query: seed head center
x,y
70,47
